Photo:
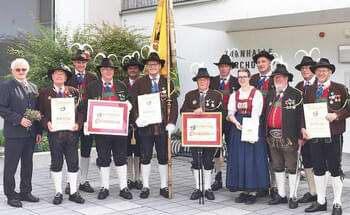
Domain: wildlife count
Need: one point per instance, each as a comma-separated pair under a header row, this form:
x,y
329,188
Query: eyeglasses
x,y
322,71
19,69
242,77
153,65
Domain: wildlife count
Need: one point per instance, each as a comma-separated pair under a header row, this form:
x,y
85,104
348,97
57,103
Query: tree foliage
x,y
48,48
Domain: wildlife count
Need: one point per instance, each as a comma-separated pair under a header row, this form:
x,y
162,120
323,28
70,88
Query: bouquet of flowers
x,y
32,115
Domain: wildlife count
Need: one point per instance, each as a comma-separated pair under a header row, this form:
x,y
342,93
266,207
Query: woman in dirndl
x,y
247,165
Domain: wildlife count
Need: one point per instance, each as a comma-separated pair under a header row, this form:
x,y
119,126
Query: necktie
x,y
306,85
278,96
201,99
261,81
107,87
222,85
319,91
155,86
60,94
80,79
24,84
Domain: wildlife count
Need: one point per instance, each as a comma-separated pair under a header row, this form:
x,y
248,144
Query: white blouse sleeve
x,y
231,107
258,103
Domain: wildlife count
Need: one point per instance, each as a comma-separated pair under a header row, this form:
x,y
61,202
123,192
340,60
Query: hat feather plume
x,y
82,46
307,53
276,61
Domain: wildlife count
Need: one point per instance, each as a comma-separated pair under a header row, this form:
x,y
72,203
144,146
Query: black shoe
x,y
131,184
144,193
103,193
209,194
308,198
57,199
278,200
292,203
164,192
316,207
86,187
273,192
14,203
138,184
125,193
28,197
337,210
67,190
196,194
241,198
217,185
75,197
251,199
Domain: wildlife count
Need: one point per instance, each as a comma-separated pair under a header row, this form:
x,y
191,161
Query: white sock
x,y
73,181
163,172
280,181
137,167
292,186
145,172
130,166
327,174
84,168
67,178
310,180
197,177
207,179
320,188
337,189
121,171
57,181
104,173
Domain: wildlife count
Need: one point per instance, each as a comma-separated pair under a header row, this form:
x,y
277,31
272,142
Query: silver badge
x,y
194,102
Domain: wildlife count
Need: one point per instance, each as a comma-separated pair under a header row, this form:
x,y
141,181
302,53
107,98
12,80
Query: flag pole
x,y
170,185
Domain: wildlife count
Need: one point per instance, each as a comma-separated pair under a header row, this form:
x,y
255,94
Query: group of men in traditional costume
x,y
255,168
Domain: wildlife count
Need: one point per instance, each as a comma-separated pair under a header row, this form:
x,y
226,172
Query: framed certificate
x,y
202,130
107,117
250,129
62,113
149,108
315,120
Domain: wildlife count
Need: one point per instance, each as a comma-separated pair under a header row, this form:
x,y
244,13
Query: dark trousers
x,y
207,158
134,149
111,144
85,144
15,149
226,127
327,156
64,143
306,155
147,143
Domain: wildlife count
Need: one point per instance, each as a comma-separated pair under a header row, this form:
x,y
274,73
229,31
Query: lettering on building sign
x,y
244,57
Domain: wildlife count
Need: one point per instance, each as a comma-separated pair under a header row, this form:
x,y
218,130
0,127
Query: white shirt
x,y
58,89
311,81
156,79
24,81
267,75
325,84
103,81
78,73
226,79
258,102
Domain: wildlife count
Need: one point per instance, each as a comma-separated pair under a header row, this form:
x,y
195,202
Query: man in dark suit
x,y
199,101
284,106
133,68
108,89
225,83
80,79
326,152
17,94
309,80
63,143
154,134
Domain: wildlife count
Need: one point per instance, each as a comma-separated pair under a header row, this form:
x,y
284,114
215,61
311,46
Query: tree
x,y
48,49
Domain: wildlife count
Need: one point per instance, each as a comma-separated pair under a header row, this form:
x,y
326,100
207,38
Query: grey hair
x,y
18,61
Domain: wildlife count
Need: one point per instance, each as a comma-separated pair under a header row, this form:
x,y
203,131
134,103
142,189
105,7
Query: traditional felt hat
x,y
263,53
202,73
281,69
81,55
106,62
61,67
225,59
323,62
132,62
306,61
154,57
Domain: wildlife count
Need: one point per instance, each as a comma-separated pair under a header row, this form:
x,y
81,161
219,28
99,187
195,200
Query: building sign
x,y
244,57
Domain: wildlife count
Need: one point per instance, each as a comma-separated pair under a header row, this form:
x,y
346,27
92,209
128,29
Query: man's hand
x,y
305,134
49,126
198,111
331,117
26,123
38,138
170,128
300,143
238,126
140,123
75,127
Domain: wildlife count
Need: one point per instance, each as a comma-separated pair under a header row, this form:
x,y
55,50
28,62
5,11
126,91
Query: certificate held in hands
x,y
149,108
62,114
250,129
315,120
